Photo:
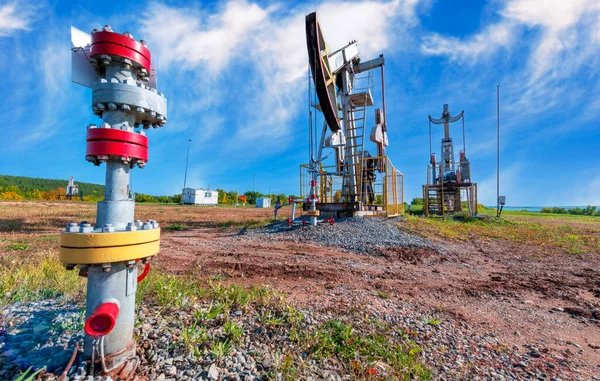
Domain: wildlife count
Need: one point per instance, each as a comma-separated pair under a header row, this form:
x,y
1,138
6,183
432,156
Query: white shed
x,y
200,196
263,202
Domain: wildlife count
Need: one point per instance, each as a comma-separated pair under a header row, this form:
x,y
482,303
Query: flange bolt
x,y
72,227
108,228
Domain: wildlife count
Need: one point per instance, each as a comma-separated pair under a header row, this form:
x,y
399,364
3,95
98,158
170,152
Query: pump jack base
x,y
346,209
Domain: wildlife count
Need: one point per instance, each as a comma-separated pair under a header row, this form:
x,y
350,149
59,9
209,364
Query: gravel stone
x,y
363,235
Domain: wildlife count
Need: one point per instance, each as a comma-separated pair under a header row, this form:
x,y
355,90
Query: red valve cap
x,y
113,142
116,44
103,320
116,135
107,148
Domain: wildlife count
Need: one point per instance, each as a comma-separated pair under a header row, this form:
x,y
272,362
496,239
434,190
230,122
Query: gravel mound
x,y
363,235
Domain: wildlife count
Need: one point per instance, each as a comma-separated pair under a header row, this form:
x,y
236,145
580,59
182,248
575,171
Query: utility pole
x,y
498,154
186,164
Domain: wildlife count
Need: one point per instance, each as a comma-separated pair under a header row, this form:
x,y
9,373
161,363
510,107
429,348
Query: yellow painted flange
x,y
97,248
313,213
122,238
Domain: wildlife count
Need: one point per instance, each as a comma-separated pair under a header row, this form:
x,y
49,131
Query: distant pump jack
x,y
449,186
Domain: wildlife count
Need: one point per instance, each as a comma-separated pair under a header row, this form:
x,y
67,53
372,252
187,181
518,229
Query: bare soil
x,y
499,287
521,293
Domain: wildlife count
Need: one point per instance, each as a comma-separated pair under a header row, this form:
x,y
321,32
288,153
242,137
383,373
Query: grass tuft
x,y
37,277
363,351
18,246
175,227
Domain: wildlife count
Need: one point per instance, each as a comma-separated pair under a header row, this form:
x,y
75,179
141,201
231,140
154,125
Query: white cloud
x,y
53,74
481,45
16,16
189,37
565,34
252,59
535,49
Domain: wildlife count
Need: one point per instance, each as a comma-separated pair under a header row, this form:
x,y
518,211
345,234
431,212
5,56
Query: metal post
x,y
187,158
498,152
123,101
384,125
463,128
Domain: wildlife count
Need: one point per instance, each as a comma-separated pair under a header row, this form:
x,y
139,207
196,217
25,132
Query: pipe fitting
x,y
103,319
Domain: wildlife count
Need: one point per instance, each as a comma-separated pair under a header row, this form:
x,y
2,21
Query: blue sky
x,y
234,73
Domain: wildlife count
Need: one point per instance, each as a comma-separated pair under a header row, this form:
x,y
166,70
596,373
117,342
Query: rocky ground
x,y
479,310
44,334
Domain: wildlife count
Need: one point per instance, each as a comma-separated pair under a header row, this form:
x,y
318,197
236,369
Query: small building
x,y
200,196
263,202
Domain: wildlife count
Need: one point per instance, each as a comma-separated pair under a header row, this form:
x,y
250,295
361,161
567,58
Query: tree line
x,y
32,188
587,211
15,188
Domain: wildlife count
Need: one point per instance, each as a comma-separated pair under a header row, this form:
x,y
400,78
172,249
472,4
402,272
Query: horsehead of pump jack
x,y
119,70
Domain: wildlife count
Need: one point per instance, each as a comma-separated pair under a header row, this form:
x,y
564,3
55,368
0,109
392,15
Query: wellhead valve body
x,y
125,97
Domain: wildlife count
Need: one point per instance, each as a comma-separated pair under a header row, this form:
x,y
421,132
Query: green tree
x,y
232,196
222,199
252,196
417,201
140,197
589,210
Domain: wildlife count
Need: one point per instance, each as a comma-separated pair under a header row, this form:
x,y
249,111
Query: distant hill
x,y
27,184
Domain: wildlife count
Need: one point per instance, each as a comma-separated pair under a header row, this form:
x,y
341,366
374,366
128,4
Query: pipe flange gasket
x,y
103,142
108,247
115,44
149,105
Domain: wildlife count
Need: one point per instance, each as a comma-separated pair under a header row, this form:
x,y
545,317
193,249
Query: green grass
x,y
559,235
433,321
416,209
20,246
250,224
193,336
220,349
37,277
543,216
233,331
175,227
28,377
362,351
